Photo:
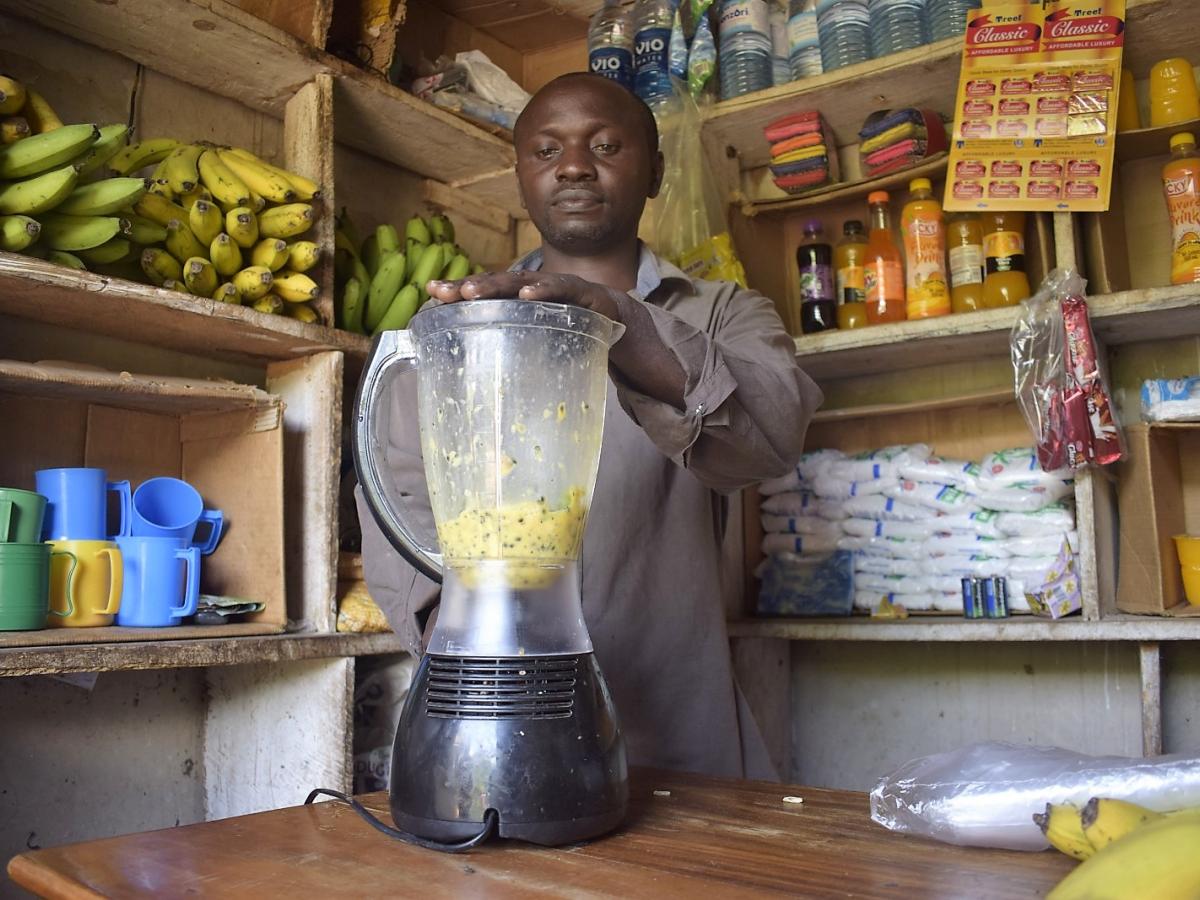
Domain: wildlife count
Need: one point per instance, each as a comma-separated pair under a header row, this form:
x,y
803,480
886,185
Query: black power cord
x,y
491,821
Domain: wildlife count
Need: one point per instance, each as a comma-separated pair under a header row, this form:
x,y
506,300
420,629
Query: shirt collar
x,y
652,270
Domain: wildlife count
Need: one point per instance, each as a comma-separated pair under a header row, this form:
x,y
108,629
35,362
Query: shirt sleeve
x,y
747,403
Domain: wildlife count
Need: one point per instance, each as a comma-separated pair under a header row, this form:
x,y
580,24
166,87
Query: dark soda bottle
x,y
814,258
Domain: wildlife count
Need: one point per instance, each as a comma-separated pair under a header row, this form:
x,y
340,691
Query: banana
x,y
63,258
477,269
189,198
401,309
180,168
257,202
18,232
371,255
227,293
387,238
38,194
79,232
427,267
442,229
303,255
12,96
140,154
449,251
303,313
41,152
13,129
200,276
115,250
159,209
269,304
174,284
160,266
285,221
242,225
350,311
226,255
270,252
182,244
253,282
384,287
1106,820
259,178
220,179
41,115
417,231
1061,825
295,287
346,226
205,220
143,231
459,267
100,198
304,189
111,140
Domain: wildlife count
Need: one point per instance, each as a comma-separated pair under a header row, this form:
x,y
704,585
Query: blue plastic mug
x,y
77,504
158,572
168,507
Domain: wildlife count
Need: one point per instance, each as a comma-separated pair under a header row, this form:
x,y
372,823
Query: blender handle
x,y
389,348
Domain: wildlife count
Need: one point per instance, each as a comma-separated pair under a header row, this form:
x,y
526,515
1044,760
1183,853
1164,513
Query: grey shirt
x,y
652,549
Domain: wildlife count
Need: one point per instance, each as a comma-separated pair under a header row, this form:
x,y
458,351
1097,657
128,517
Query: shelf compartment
x,y
1147,143
957,629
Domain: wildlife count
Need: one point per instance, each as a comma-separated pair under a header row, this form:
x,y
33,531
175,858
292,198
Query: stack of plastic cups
x,y
947,18
804,45
744,47
844,32
896,25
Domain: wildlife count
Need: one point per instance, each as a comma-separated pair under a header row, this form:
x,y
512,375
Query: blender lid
x,y
491,313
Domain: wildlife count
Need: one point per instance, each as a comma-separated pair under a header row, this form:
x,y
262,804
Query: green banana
x,y
140,154
38,194
73,233
102,198
346,226
371,255
285,221
200,276
160,266
114,250
449,251
351,308
226,255
384,287
417,231
402,307
442,229
40,152
459,267
205,221
182,244
63,258
18,232
111,140
477,269
295,287
428,267
270,252
387,238
143,231
253,282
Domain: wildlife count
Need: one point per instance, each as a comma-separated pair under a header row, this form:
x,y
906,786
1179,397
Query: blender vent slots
x,y
501,688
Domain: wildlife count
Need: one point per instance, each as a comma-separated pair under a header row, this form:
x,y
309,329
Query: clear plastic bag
x,y
985,795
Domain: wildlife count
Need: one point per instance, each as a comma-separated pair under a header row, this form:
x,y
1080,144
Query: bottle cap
x,y
813,226
877,197
920,184
852,226
1183,137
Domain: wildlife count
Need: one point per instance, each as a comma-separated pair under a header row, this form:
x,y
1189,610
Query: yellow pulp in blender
x,y
530,536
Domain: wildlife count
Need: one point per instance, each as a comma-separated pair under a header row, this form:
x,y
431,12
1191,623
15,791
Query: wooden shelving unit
x,y
955,629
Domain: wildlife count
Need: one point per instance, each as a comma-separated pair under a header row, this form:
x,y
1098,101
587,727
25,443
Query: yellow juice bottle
x,y
964,238
926,293
1181,185
849,263
1006,283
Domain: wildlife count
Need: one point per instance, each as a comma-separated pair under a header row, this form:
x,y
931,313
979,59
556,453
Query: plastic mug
x,y
76,504
92,595
158,572
22,514
1173,95
169,507
25,585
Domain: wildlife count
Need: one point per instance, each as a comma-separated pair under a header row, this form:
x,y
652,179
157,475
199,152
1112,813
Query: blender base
x,y
534,738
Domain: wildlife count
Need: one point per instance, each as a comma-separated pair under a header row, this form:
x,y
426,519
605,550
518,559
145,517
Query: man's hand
x,y
544,286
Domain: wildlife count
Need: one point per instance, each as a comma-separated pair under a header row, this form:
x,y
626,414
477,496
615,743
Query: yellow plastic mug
x,y
97,584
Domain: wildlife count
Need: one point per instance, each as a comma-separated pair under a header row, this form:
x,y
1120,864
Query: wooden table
x,y
709,838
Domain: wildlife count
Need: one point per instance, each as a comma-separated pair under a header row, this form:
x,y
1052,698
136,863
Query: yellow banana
x,y
1061,825
259,178
270,252
285,221
181,168
140,154
159,209
295,287
189,198
226,256
242,225
13,128
200,276
172,284
38,194
253,282
220,179
303,255
227,293
257,202
182,244
18,232
1106,820
42,152
305,189
40,113
270,304
12,96
205,221
160,266
102,198
302,312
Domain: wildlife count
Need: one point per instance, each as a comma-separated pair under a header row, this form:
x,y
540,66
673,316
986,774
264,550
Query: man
x,y
705,398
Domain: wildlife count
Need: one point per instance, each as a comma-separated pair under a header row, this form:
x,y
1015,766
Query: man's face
x,y
584,166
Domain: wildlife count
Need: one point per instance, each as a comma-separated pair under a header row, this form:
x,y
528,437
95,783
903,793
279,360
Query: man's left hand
x,y
546,287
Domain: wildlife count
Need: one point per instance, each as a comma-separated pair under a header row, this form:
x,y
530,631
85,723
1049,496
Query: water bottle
x,y
744,47
947,18
804,46
896,25
610,44
843,29
781,72
651,42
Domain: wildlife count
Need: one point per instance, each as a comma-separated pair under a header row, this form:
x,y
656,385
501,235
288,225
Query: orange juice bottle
x,y
1006,283
964,236
1181,184
884,278
849,263
926,293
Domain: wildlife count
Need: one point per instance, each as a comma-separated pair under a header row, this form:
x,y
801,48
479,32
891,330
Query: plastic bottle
x,y
926,291
843,28
804,44
896,25
849,263
1181,185
610,44
884,278
814,258
964,237
651,40
781,72
947,18
744,47
1005,283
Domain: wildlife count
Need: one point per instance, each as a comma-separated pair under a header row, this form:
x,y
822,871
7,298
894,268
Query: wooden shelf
x,y
184,653
932,168
38,290
1147,143
957,629
976,400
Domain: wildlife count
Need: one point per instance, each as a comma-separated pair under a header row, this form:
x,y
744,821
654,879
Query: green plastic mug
x,y
21,515
25,586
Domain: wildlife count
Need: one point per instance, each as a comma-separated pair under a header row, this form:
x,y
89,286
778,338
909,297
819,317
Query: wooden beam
x,y
1150,670
308,151
763,668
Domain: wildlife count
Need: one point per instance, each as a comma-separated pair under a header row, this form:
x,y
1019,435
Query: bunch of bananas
x,y
381,281
1126,850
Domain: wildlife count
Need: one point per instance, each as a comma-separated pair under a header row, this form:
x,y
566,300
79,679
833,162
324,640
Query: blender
x,y
508,722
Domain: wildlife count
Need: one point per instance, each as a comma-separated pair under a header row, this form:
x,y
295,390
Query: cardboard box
x,y
1158,496
224,439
